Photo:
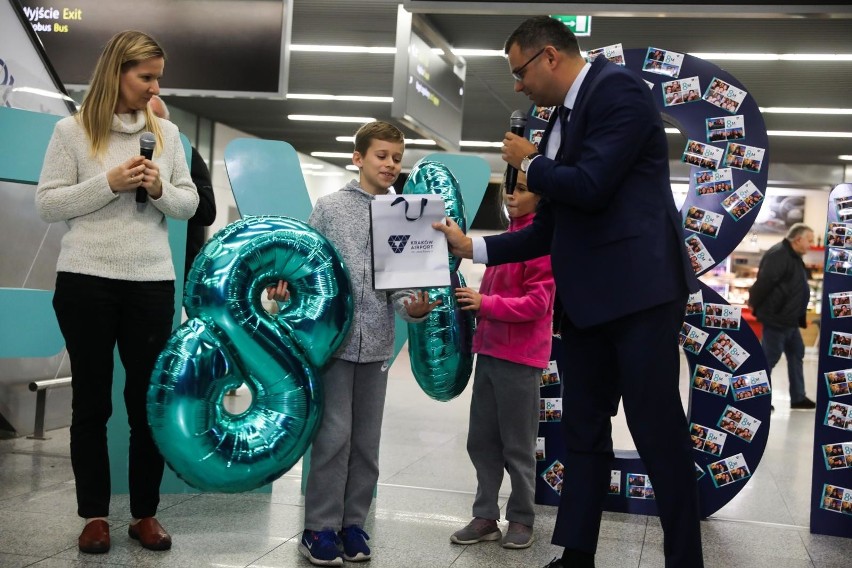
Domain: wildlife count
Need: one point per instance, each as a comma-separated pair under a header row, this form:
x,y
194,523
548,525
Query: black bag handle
x,y
423,202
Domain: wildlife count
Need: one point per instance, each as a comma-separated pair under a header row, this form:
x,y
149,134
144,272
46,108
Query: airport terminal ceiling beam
x,y
672,9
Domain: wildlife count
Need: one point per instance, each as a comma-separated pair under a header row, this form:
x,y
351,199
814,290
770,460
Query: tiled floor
x,y
425,493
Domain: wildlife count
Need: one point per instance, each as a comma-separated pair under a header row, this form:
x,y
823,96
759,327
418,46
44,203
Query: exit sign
x,y
580,25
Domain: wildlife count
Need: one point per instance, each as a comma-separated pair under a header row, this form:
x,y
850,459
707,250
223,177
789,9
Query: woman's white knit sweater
x,y
110,235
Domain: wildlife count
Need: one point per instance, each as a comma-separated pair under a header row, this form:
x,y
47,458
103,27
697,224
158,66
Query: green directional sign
x,y
580,25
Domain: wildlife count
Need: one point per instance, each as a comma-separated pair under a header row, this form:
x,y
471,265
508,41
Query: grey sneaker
x,y
477,530
518,536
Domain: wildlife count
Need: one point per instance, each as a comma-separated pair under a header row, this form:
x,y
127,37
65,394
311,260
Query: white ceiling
x,y
489,96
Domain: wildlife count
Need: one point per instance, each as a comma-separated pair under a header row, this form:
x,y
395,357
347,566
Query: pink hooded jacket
x,y
515,318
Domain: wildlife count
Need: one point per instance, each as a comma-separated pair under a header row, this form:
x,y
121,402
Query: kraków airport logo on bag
x,y
397,242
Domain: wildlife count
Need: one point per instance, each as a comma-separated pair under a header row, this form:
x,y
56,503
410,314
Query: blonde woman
x,y
115,278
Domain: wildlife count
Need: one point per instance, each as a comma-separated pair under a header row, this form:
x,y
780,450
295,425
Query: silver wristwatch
x,y
525,163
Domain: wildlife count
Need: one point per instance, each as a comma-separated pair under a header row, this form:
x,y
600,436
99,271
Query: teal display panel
x,y
28,327
32,330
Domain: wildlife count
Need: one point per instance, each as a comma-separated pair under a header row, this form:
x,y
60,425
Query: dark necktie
x,y
563,128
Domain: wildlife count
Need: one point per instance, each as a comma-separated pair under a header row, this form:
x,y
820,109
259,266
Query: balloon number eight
x,y
440,347
230,340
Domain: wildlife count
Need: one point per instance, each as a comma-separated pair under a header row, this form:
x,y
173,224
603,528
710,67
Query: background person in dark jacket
x,y
779,300
206,212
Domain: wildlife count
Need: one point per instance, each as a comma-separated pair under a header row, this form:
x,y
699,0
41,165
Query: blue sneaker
x,y
321,548
355,547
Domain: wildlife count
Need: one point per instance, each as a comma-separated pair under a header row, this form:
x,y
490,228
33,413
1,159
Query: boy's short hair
x,y
376,130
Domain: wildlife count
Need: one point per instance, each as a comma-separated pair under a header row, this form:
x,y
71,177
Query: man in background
x,y
206,212
779,299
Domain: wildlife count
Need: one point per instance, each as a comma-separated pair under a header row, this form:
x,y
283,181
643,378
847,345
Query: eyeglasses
x,y
516,74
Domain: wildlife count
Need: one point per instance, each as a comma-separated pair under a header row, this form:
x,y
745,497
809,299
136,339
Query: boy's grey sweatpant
x,y
344,466
504,413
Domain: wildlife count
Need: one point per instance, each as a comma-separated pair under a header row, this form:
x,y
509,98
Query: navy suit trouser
x,y
635,359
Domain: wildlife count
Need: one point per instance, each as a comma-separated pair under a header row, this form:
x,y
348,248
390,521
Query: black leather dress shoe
x,y
804,404
572,558
150,534
95,537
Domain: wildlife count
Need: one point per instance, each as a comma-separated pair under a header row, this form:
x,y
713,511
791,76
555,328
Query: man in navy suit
x,y
608,220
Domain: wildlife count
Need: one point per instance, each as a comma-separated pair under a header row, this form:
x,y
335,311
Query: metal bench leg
x,y
41,403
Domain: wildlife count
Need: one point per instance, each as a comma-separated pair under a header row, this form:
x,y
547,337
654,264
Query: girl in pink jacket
x,y
513,339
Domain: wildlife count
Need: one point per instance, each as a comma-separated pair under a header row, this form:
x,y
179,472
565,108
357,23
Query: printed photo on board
x,y
663,62
838,382
729,470
711,380
695,304
713,181
751,385
615,482
614,53
639,486
725,128
738,423
724,95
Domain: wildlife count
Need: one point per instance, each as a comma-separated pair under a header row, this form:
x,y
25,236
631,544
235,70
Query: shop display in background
x,y
779,213
781,208
733,278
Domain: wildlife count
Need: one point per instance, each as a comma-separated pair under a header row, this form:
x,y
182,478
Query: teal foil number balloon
x,y
230,340
435,178
440,347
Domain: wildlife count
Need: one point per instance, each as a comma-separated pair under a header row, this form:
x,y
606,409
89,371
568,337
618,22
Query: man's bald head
x,y
158,107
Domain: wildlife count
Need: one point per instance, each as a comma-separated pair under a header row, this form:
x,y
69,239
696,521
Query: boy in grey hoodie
x,y
344,461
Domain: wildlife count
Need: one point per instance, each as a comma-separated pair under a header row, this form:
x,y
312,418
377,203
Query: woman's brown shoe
x,y
95,537
150,534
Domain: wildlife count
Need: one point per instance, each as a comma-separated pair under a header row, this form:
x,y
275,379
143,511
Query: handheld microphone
x,y
147,142
517,123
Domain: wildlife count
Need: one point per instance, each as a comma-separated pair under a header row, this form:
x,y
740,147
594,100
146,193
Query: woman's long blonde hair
x,y
124,50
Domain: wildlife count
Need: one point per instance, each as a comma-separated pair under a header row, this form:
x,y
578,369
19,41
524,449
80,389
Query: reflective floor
x,y
425,493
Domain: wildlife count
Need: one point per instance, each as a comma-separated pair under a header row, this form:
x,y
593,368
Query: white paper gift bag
x,y
407,251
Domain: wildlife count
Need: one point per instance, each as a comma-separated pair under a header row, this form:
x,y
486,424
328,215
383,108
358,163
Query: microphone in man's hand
x,y
517,123
146,149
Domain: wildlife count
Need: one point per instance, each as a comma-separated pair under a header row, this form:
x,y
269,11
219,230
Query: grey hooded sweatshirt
x,y
343,217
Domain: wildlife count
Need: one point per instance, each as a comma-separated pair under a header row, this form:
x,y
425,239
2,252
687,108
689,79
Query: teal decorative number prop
x,y
440,347
230,340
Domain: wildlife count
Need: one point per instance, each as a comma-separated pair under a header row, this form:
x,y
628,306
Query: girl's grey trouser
x,y
344,464
503,427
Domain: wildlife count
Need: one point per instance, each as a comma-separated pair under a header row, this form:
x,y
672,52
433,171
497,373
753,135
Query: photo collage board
x,y
731,391
726,149
831,505
549,454
726,144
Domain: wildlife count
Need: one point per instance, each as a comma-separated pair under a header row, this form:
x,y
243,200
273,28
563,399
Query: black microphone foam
x,y
147,142
517,123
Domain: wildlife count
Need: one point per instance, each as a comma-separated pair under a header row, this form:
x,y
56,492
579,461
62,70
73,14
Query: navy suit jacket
x,y
607,216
